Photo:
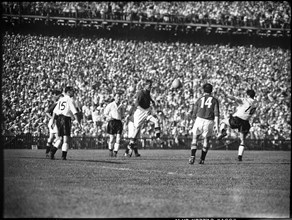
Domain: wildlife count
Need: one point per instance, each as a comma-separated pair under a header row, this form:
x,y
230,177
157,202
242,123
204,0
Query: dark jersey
x,y
51,107
143,99
206,107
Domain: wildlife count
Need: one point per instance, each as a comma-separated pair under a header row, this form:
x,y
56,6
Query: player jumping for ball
x,y
240,119
142,114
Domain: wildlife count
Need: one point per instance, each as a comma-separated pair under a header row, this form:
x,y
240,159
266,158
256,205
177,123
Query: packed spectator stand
x,y
265,14
35,64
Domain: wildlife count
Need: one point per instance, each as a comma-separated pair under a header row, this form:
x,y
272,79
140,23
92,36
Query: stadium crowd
x,y
265,14
34,65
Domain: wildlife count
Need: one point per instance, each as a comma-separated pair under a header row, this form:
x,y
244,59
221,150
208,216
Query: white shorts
x,y
54,130
203,127
131,129
142,115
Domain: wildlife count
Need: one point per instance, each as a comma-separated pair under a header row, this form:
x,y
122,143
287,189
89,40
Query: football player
x,y
206,112
63,112
142,113
240,119
114,112
52,129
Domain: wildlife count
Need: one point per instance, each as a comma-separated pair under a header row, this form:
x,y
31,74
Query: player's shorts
x,y
243,126
203,127
142,115
63,125
115,126
53,130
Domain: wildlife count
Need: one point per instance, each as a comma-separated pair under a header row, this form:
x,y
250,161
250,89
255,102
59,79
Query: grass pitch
x,y
159,184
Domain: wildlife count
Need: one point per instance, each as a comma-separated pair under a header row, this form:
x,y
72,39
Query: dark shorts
x,y
115,127
63,125
243,126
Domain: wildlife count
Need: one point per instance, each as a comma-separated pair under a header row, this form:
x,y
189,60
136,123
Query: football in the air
x,y
176,84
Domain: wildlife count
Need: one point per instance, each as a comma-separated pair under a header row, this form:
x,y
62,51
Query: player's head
x,y
207,88
69,90
56,92
118,96
148,84
250,93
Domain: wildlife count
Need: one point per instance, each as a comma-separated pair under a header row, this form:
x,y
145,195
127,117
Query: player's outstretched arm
x,y
234,98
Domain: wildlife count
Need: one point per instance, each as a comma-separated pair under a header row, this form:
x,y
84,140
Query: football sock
x,y
64,154
193,149
135,150
203,156
193,152
53,151
48,147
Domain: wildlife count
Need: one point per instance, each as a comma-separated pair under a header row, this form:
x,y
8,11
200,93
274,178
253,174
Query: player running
x,y
114,112
240,119
63,112
206,112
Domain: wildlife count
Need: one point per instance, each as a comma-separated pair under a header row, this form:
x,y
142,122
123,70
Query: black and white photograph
x,y
146,109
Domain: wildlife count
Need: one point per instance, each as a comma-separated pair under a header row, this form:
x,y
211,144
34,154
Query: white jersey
x,y
65,106
114,111
246,109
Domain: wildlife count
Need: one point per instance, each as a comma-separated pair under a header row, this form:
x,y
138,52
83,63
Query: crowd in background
x,y
266,14
34,65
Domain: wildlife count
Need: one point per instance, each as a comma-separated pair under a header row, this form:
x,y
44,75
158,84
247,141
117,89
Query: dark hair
x,y
208,88
56,92
250,93
69,88
148,81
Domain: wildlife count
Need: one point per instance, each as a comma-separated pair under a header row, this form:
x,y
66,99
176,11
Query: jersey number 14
x,y
208,102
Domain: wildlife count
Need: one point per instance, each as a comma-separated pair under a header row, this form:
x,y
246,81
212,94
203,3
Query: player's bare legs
x,y
111,144
132,145
49,143
194,146
55,146
223,128
65,147
117,144
206,146
241,146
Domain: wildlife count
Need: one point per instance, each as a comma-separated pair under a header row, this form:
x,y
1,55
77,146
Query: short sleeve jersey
x,y
247,109
114,111
207,107
65,106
